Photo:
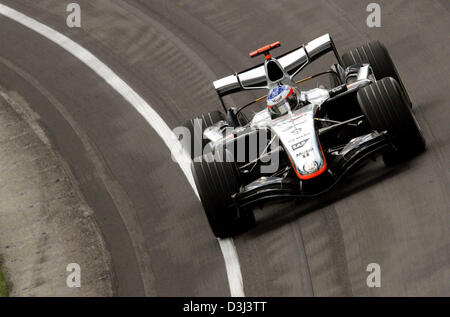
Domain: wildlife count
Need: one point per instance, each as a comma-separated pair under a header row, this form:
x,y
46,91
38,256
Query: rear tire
x,y
216,182
206,120
386,109
376,54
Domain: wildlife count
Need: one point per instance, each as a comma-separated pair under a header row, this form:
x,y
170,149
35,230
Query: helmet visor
x,y
280,109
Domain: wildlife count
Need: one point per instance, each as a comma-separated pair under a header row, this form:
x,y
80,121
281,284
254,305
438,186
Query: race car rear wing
x,y
289,61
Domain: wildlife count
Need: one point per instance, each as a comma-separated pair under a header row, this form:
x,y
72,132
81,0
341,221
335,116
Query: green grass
x,y
3,286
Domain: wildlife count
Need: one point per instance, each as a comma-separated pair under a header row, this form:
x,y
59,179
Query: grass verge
x,y
3,286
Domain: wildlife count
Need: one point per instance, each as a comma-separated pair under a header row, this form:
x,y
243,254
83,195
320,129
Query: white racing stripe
x,y
227,247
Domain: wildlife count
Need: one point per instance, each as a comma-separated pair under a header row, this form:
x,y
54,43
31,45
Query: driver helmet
x,y
281,99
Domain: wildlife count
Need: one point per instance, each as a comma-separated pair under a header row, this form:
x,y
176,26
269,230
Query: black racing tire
x,y
376,54
206,120
216,182
385,108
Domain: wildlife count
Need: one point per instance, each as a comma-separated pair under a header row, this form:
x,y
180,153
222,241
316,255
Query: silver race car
x,y
303,141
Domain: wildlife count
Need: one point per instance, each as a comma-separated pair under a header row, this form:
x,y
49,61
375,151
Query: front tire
x,y
386,109
216,182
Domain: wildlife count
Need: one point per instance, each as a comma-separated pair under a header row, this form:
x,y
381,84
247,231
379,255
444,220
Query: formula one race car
x,y
303,142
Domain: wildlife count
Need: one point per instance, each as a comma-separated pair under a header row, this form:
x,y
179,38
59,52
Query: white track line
x,y
227,246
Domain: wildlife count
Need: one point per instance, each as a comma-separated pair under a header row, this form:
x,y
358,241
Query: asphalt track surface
x,y
169,52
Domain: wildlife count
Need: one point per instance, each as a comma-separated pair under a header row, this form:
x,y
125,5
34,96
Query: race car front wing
x,y
284,187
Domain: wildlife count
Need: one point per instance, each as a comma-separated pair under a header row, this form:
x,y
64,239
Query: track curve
x,y
169,53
